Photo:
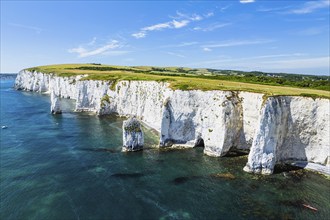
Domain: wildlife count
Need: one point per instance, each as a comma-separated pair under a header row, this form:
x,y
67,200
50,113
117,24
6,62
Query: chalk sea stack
x,y
55,107
132,135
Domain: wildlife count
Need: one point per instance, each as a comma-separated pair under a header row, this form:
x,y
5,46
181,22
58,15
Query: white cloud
x,y
206,49
179,21
275,56
210,14
246,1
184,44
138,35
196,18
180,24
310,7
129,59
180,15
311,31
79,50
193,17
106,49
115,52
176,54
92,42
237,43
263,9
157,27
223,9
212,27
36,29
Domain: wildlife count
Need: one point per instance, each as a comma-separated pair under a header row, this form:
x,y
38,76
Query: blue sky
x,y
263,35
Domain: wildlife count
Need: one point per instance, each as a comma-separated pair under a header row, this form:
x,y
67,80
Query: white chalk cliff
x,y
275,130
290,128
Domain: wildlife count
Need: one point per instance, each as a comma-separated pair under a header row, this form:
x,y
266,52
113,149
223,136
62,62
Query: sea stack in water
x,y
55,107
132,135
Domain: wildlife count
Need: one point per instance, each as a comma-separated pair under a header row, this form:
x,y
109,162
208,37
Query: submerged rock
x,y
55,107
184,179
133,139
176,215
223,175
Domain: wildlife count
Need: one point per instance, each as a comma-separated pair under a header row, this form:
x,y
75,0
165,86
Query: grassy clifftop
x,y
202,79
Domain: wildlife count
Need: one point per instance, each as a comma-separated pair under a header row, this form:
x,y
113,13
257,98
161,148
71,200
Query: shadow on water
x,y
211,177
280,168
236,153
184,179
199,143
128,175
133,174
99,150
291,172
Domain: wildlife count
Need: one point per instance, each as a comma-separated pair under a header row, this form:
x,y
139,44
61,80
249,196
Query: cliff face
x,y
32,81
290,128
276,130
141,99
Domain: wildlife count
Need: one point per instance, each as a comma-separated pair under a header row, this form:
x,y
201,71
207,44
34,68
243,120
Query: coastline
x,y
275,128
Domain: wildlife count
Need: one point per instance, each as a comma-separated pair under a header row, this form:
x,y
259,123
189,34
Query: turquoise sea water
x,y
70,166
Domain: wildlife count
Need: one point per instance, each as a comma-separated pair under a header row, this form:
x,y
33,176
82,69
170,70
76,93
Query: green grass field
x,y
178,78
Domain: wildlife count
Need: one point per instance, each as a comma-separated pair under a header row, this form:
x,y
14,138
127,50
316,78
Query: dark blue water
x,y
70,166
